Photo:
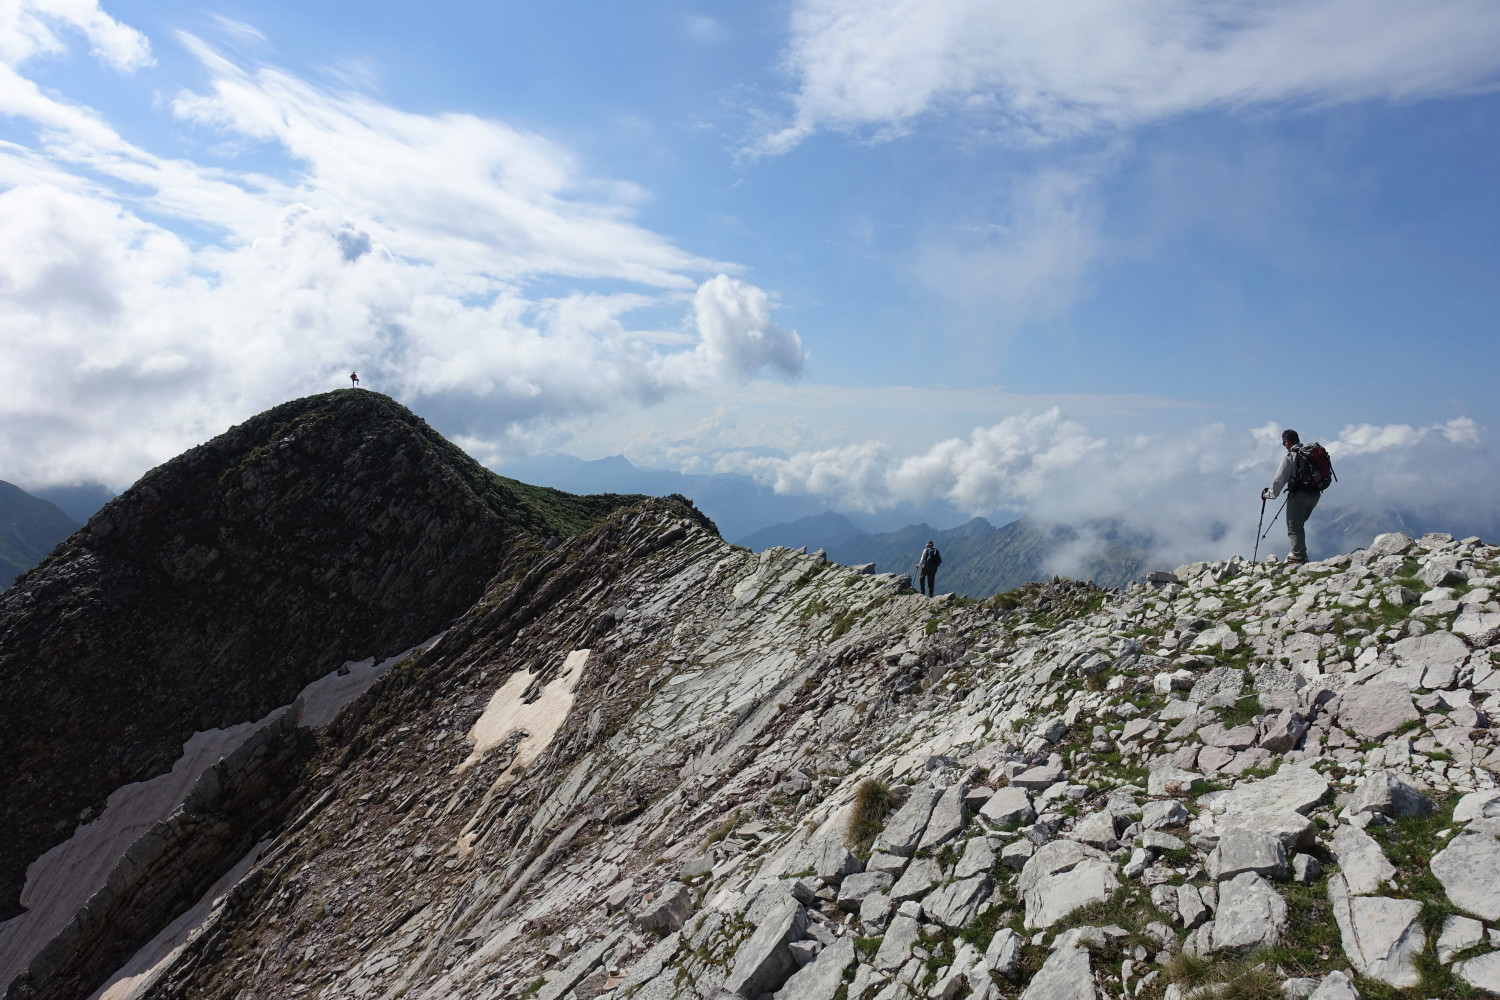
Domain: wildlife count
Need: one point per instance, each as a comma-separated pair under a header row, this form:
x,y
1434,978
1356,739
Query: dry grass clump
x,y
873,802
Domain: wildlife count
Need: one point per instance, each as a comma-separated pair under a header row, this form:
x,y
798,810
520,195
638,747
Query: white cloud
x,y
1039,70
1195,493
30,27
404,245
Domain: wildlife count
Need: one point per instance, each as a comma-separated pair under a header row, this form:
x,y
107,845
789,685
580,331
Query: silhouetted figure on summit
x,y
354,380
1305,472
927,567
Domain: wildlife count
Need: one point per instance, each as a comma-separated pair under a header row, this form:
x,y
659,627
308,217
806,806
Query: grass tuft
x,y
873,802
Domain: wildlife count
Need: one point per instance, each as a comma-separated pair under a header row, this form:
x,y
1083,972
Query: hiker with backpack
x,y
1305,472
927,567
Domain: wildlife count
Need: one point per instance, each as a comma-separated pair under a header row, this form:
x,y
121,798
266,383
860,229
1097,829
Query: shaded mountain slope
x,y
325,530
29,528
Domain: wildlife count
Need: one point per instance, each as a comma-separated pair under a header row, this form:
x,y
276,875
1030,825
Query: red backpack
x,y
1314,469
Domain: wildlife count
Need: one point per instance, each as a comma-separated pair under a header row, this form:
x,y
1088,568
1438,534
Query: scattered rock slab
x,y
1296,787
1382,936
895,947
1469,869
1376,710
1364,865
1242,850
903,832
947,819
764,962
821,978
854,889
1062,876
1458,934
920,877
1066,975
956,905
978,857
668,912
1481,973
1009,805
1389,793
1251,914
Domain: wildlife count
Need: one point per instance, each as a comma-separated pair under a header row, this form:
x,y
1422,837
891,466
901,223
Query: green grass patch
x,y
1244,710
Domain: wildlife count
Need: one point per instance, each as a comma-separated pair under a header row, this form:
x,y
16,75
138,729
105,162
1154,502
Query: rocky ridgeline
x,y
328,529
647,765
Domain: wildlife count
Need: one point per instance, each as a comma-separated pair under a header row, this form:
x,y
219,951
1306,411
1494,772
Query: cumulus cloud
x,y
406,246
1194,494
1039,71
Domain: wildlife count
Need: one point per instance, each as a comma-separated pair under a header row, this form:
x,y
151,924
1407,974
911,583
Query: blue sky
x,y
948,233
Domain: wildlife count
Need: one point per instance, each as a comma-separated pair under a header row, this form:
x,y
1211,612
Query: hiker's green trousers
x,y
1299,504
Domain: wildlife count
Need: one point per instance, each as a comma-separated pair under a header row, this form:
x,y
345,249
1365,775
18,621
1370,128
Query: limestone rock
x,y
1038,779
1284,732
835,861
1251,914
874,912
947,820
1062,876
1388,793
1392,543
1382,936
1458,934
1335,986
978,857
649,965
821,978
1438,655
668,912
1218,682
1097,831
903,832
1361,861
955,905
1376,710
1481,973
1294,786
1469,869
1003,956
1477,804
1066,975
895,947
1008,805
764,962
1163,814
920,877
1242,850
854,889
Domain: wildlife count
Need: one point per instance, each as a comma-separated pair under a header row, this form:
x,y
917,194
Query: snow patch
x,y
509,712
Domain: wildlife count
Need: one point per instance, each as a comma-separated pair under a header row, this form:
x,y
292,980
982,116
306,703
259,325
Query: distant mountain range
x,y
979,559
737,504
30,527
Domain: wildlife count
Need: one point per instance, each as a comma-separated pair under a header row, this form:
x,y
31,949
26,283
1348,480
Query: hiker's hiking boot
x,y
1294,561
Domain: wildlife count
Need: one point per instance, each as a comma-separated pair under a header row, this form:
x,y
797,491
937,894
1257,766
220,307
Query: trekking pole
x,y
1273,519
1256,557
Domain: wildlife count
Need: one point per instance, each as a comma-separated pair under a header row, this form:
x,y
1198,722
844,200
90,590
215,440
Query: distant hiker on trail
x,y
1305,472
354,380
927,566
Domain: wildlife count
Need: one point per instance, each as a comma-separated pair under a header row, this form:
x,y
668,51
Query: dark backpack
x,y
930,559
1314,469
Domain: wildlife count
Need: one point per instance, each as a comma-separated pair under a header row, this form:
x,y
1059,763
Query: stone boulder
x,y
1375,711
821,978
903,832
1163,814
1388,793
947,819
1469,869
1242,850
668,912
1251,914
1382,937
1066,975
835,861
1438,655
1062,876
854,889
956,905
1296,787
764,962
1009,805
1361,861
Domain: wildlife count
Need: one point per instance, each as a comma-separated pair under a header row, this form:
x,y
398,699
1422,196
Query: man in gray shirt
x,y
1299,501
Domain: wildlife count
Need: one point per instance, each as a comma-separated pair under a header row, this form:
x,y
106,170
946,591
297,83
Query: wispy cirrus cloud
x,y
1040,71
